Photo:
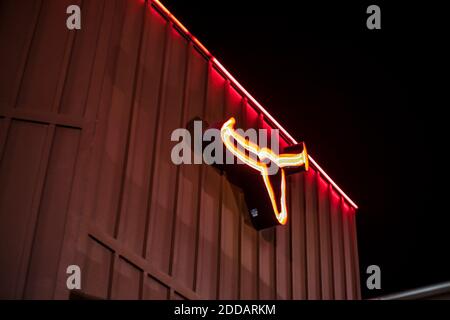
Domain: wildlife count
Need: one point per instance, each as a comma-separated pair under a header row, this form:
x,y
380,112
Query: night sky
x,y
350,94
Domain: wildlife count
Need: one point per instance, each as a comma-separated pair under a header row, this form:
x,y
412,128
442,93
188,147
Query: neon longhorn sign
x,y
287,160
169,16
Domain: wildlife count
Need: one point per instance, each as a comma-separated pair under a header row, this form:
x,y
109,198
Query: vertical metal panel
x,y
283,253
44,260
210,200
163,190
208,248
249,262
326,255
267,256
245,238
298,237
338,246
82,58
141,142
186,217
283,263
312,236
34,211
249,258
85,167
125,42
126,281
46,56
17,27
229,246
97,270
18,175
249,236
230,218
348,252
355,255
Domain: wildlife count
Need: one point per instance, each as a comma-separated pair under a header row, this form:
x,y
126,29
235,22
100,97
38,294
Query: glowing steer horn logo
x,y
284,161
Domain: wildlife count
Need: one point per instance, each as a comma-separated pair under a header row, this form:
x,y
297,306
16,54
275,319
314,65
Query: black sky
x,y
350,94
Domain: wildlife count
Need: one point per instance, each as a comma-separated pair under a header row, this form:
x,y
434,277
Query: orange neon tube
x,y
228,135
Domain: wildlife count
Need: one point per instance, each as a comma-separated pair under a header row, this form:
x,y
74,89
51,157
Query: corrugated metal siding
x,y
86,176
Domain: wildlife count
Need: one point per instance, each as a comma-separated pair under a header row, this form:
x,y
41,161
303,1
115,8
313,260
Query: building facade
x,y
86,176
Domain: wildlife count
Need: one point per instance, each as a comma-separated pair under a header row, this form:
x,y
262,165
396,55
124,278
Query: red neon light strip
x,y
247,94
250,97
332,182
182,27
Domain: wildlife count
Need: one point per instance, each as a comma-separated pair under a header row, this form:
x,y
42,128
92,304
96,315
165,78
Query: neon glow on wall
x,y
237,85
